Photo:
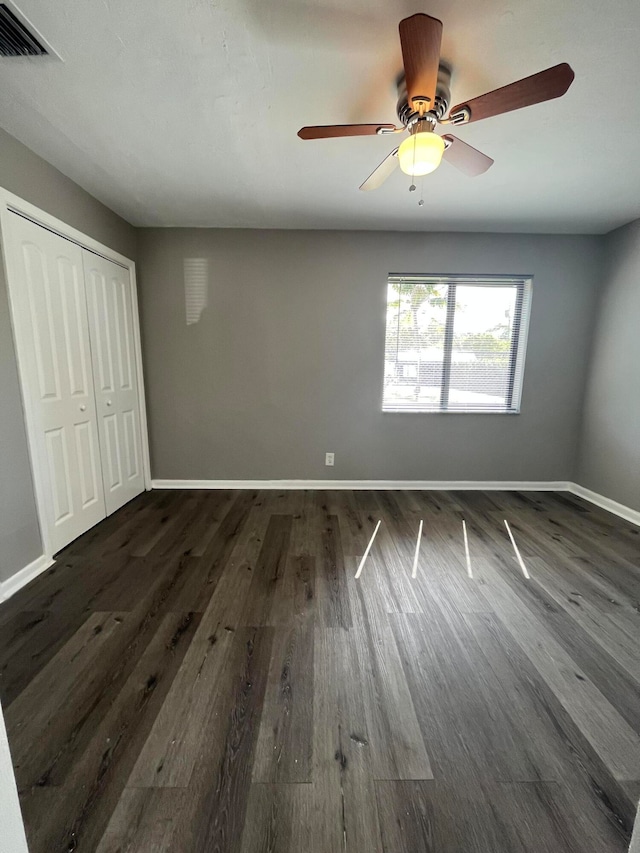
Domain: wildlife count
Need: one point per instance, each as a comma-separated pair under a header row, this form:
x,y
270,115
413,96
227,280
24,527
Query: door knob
x,y
108,402
83,408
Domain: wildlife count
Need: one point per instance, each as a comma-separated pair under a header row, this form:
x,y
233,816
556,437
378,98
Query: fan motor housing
x,y
406,113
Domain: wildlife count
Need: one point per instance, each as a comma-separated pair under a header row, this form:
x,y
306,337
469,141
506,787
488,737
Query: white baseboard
x,y
616,508
23,576
420,485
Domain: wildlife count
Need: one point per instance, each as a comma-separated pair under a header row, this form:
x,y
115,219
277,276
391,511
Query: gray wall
x,y
286,362
610,451
30,177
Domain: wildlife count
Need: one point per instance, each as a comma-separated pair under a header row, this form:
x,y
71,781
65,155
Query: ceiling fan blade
x,y
466,158
329,131
544,86
382,172
420,37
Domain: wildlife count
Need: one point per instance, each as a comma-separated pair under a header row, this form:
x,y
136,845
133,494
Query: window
x,y
455,343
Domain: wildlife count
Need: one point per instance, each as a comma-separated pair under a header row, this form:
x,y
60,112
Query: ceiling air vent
x,y
15,38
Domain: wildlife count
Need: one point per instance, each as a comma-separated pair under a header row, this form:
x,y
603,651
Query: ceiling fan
x,y
423,104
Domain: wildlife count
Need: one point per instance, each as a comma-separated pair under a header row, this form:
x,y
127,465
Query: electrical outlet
x,y
329,458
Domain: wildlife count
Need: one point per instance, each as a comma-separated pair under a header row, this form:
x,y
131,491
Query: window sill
x,y
450,412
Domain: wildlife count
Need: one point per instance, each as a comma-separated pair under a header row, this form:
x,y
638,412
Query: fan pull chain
x,y
412,188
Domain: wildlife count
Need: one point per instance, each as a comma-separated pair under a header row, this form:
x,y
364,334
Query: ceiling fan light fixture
x,y
421,153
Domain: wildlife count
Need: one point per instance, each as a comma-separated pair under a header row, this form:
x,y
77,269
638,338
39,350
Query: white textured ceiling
x,y
185,112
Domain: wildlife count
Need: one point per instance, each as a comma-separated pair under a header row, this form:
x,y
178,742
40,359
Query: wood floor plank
x,y
463,592
189,531
280,820
445,545
395,740
160,537
590,649
115,533
452,696
284,747
92,668
146,821
223,592
345,814
143,512
390,562
28,641
296,600
548,538
596,528
212,812
80,806
74,671
633,790
342,504
407,817
390,506
616,634
268,574
306,523
570,757
76,586
429,817
172,749
367,500
597,718
397,544
221,782
331,587
220,547
215,506
576,579
438,501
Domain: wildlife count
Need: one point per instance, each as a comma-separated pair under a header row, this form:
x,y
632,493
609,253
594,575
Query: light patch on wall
x,y
196,288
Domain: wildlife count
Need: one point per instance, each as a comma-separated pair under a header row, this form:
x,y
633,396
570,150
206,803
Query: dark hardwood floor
x,y
202,672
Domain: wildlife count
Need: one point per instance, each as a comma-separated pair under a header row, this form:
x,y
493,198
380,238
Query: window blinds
x,y
455,343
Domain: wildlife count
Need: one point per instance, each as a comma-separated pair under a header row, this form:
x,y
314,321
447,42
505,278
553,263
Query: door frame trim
x,y
10,203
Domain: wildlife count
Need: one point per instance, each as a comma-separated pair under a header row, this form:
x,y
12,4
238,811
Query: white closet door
x,y
55,354
115,379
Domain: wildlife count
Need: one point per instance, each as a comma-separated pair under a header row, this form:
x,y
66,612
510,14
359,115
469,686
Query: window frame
x,y
519,337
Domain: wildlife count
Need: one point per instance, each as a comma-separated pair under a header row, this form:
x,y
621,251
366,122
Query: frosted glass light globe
x,y
421,153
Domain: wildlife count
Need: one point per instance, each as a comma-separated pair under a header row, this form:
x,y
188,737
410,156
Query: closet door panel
x,y
113,359
88,459
50,315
